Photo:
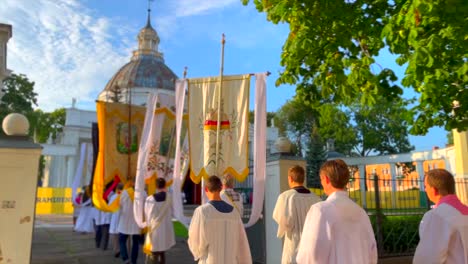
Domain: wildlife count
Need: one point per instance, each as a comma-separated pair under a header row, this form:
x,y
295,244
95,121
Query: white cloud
x,y
196,7
63,48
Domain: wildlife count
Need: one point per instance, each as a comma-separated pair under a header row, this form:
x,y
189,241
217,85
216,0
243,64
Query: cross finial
x,y
148,22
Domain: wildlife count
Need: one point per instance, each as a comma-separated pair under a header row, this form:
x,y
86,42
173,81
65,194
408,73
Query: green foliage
x,y
381,128
45,125
296,120
19,97
400,233
332,46
357,130
315,157
270,117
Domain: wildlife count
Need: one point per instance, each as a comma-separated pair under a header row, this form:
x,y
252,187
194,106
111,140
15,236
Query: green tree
x,y
315,157
19,96
357,130
296,120
45,125
332,47
381,129
270,116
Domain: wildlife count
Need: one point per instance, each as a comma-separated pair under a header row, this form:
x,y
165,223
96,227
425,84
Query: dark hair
x,y
442,180
160,183
297,174
120,186
337,171
213,184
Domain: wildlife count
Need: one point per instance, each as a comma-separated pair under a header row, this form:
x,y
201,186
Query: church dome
x,y
146,68
144,71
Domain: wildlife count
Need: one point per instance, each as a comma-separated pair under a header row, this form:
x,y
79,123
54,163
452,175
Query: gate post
x,y
378,217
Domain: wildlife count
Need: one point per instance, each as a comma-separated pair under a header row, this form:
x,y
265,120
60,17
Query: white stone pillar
x,y
393,174
276,183
45,181
362,184
5,35
19,162
70,171
420,171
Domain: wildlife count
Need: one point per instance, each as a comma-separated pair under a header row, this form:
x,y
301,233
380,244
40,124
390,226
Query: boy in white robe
x,y
216,232
290,212
337,230
128,227
230,196
158,215
443,230
84,222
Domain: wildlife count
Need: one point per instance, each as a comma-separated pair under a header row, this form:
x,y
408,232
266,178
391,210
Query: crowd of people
x,y
336,230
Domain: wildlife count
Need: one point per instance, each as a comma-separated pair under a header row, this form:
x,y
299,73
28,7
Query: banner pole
x,y
218,123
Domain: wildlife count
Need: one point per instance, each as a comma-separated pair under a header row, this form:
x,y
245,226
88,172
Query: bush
x,y
400,233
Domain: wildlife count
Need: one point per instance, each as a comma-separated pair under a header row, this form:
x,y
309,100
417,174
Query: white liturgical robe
x,y
114,223
337,231
127,224
159,219
290,212
216,237
443,235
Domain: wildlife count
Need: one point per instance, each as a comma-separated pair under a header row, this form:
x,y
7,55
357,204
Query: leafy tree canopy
x,y
358,130
20,98
332,47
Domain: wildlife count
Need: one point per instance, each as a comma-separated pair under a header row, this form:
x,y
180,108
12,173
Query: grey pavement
x,y
54,242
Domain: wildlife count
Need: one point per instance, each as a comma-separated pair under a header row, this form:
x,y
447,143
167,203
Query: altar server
x,y
337,230
230,196
216,232
290,212
128,226
443,231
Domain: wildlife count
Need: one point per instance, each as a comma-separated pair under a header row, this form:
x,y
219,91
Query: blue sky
x,y
71,48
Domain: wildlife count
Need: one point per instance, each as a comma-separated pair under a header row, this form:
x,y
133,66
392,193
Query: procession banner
x,y
120,128
234,125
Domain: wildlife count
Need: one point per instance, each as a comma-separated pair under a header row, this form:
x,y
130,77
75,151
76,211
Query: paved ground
x,y
54,242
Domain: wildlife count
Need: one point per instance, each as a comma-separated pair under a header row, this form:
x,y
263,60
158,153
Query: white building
x,y
5,35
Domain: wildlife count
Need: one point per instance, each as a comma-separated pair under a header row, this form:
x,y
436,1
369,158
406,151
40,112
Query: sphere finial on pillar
x,y
15,124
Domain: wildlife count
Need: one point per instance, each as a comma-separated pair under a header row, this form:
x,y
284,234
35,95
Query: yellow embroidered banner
x,y
120,127
234,124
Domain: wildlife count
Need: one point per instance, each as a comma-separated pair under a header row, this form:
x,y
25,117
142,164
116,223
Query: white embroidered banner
x,y
233,127
157,150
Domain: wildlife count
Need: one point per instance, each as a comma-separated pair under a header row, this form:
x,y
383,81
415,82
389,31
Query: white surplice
x,y
127,224
290,212
216,237
337,231
84,222
158,216
443,236
114,222
236,201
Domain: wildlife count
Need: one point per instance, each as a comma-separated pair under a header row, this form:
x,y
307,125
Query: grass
x,y
180,230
